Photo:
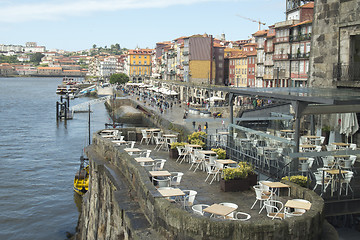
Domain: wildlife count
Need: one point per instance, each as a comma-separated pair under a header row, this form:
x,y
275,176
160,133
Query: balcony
x,y
186,53
281,39
281,56
344,72
299,75
299,56
300,37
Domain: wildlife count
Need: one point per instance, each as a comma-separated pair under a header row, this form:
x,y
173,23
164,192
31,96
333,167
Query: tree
x,y
36,58
94,46
119,78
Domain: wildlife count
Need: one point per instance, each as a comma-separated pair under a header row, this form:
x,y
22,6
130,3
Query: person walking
x,y
206,127
199,127
194,123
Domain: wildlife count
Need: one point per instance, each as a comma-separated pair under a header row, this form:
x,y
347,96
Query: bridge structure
x,y
84,107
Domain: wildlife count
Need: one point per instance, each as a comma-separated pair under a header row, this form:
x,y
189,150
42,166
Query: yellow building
x,y
243,67
139,64
239,62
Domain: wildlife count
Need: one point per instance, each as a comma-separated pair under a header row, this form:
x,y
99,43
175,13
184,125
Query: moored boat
x,y
62,89
81,179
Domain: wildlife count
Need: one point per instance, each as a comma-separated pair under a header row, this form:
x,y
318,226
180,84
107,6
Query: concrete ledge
x,y
174,223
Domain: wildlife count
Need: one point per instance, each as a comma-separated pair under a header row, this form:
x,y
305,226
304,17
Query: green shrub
x,y
194,138
298,179
221,153
242,171
177,144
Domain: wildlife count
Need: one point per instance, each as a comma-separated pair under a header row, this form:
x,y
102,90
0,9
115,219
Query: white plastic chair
x,y
260,197
181,152
198,209
347,179
241,216
274,208
145,136
319,180
211,170
160,142
176,178
189,198
162,182
159,164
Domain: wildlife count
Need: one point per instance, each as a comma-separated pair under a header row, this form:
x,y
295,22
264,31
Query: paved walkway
x,y
176,114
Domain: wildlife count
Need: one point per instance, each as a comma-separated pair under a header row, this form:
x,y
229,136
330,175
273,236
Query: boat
x,y
81,179
62,90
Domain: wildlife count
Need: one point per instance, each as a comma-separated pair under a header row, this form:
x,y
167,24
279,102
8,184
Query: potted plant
x,y
173,153
221,153
297,179
326,133
238,179
196,138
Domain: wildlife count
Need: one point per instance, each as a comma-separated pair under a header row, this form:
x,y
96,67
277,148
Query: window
x,y
139,56
145,57
145,62
139,62
134,62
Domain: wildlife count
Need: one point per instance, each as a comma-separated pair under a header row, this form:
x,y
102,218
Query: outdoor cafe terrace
x,y
197,187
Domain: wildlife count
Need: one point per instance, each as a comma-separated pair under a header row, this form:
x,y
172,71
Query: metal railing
x,y
344,72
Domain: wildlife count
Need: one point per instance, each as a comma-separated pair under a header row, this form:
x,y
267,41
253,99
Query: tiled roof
x,y
260,33
302,23
308,5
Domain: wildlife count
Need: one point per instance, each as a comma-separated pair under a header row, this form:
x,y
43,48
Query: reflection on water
x,y
78,201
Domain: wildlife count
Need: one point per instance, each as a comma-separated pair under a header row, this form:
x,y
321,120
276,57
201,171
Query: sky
x,y
75,25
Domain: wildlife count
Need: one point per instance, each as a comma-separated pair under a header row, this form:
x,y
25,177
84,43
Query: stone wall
x,y
334,22
105,217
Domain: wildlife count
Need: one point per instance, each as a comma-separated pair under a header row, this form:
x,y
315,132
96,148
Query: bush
x,y
240,172
174,145
221,153
194,138
297,179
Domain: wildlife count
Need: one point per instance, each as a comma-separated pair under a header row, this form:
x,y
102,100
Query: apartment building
x,y
249,50
268,78
139,61
260,39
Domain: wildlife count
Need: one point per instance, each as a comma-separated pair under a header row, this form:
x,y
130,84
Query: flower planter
x,y
237,185
173,153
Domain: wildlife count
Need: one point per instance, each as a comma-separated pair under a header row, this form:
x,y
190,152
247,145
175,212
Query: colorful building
x,y
139,63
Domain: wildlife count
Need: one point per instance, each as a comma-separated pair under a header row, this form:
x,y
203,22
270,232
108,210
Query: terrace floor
x,y
211,193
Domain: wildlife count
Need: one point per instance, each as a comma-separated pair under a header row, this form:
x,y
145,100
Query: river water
x,y
38,159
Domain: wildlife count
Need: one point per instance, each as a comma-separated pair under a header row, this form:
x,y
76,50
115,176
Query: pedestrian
x,y
194,123
188,104
199,127
206,127
223,123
